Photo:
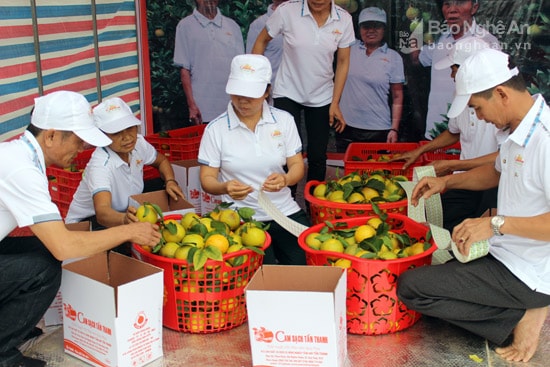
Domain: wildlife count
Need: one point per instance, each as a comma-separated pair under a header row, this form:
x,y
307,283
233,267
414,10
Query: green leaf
x,y
257,250
199,259
213,253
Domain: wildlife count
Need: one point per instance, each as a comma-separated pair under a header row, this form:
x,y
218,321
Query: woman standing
x,y
313,31
375,75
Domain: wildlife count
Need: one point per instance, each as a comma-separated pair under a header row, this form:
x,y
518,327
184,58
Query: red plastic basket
x,y
208,300
450,152
371,300
357,156
181,144
323,210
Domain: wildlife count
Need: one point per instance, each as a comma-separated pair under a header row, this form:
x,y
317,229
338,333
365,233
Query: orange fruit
x,y
219,241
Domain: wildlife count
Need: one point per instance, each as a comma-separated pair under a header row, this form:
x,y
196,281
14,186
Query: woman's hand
x,y
274,182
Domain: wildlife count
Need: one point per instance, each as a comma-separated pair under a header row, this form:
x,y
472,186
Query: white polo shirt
x,y
206,48
524,191
306,71
24,195
251,157
442,86
274,49
477,137
369,79
106,171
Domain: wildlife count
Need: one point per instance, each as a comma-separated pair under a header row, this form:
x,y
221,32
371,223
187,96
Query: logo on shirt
x,y
385,59
519,159
276,134
337,32
138,161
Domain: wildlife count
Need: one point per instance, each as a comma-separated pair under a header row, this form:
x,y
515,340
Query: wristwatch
x,y
496,222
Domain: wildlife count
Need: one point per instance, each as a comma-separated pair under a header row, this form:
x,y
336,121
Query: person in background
x,y
206,41
313,33
268,140
114,173
479,143
459,23
376,75
503,296
274,49
61,123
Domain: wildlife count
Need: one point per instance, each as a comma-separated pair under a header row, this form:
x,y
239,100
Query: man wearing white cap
x,y
114,173
246,149
459,23
31,266
503,296
376,75
479,142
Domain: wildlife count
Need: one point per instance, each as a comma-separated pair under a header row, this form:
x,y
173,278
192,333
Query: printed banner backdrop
x,y
85,46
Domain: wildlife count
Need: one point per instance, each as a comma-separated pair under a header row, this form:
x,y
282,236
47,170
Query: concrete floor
x,y
429,342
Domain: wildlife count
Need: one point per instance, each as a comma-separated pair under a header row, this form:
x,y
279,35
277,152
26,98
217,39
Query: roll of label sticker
x,y
477,250
290,225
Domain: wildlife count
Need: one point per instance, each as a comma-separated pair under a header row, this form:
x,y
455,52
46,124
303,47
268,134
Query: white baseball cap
x,y
372,14
68,111
461,50
483,70
250,75
114,115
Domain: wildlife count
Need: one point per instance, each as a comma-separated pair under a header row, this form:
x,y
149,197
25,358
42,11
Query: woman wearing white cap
x,y
375,74
31,265
115,172
246,149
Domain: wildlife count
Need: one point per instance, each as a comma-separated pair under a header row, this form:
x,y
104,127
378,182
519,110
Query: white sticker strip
x,y
290,225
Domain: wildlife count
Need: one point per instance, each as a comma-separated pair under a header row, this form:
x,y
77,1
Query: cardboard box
x,y
187,173
54,313
112,310
164,201
297,316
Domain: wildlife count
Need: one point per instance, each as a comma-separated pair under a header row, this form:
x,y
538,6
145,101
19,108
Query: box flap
x,y
295,278
162,199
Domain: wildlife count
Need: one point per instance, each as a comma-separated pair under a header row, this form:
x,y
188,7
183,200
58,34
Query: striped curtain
x,y
87,46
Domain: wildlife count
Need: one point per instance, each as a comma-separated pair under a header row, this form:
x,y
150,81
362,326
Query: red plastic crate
x,y
363,157
63,182
150,172
208,300
371,299
181,144
449,152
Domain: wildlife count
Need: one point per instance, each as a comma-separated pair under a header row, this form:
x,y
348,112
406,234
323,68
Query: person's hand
x,y
442,167
274,182
336,119
130,215
471,231
427,187
392,137
144,233
174,190
195,116
237,190
409,157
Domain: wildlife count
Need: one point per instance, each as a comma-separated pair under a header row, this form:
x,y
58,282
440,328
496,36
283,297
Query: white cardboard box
x,y
112,310
187,173
297,316
164,201
54,313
